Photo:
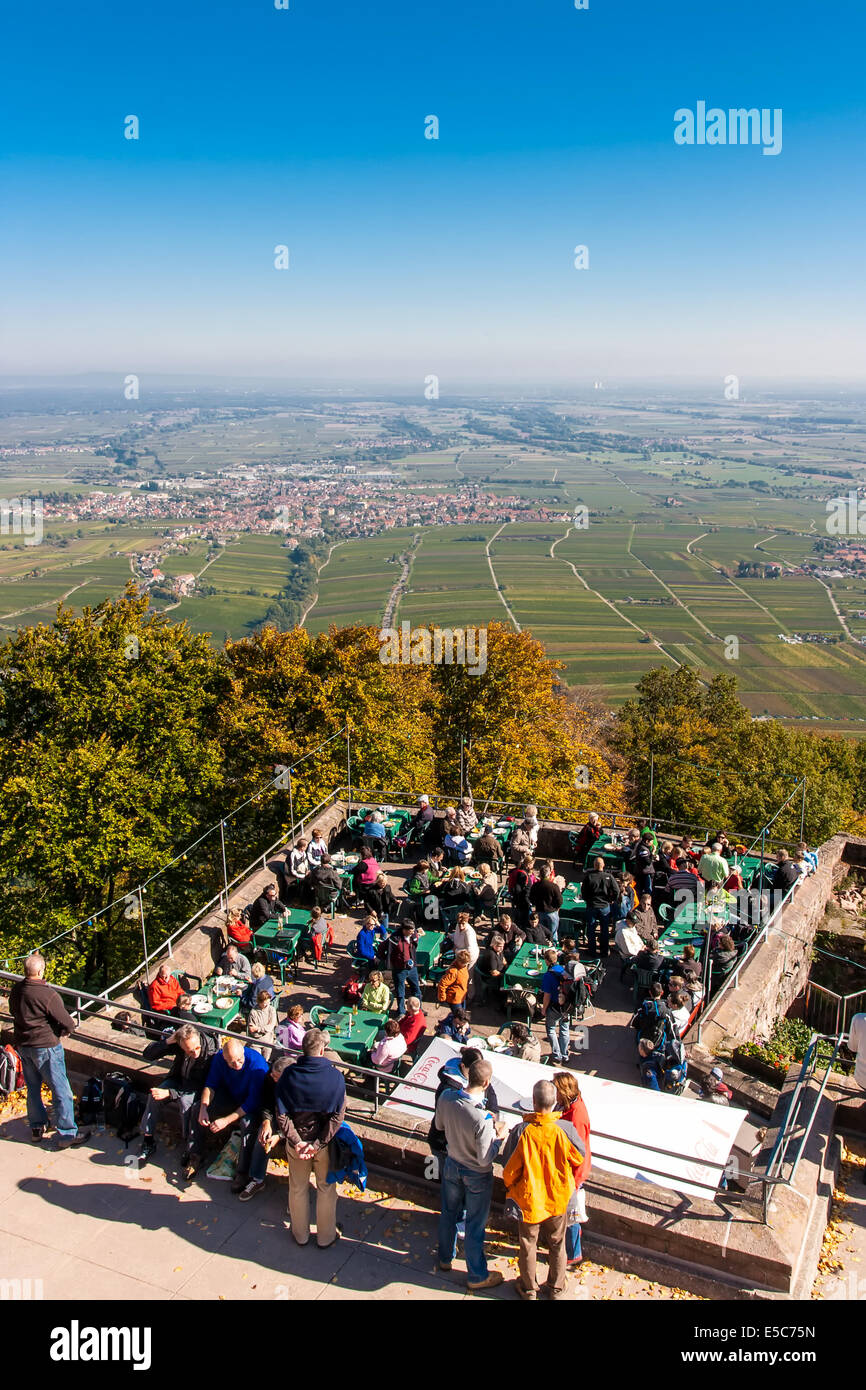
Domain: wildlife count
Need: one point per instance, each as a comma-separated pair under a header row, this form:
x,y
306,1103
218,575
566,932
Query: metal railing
x,y
733,979
383,1085
830,1012
220,899
792,1122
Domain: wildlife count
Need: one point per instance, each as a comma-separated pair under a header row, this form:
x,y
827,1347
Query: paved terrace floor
x,y
92,1227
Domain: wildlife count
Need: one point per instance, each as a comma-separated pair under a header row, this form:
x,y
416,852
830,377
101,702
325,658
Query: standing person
x,y
194,1052
463,938
643,862
574,1112
857,1045
522,842
520,881
555,1007
713,868
40,1022
262,1021
311,1106
453,985
267,1136
472,1139
401,961
413,1024
466,817
542,1159
600,891
231,1096
546,898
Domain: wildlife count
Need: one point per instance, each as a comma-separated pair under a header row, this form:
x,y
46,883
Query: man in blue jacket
x,y
232,1096
311,1107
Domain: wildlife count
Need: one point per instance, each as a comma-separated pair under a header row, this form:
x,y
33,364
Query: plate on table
x,y
477,1042
496,1043
224,1003
536,971
202,1007
198,999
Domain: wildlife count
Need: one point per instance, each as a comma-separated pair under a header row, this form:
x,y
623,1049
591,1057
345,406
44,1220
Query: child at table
x,y
262,1022
291,1033
376,998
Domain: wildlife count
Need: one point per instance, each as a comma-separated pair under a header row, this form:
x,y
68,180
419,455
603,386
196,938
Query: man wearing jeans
x,y
556,1018
40,1022
311,1106
546,898
600,891
472,1139
401,961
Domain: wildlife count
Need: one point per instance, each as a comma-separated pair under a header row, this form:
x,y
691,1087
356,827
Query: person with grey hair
x,y
311,1106
472,1140
193,1053
41,1021
542,1160
713,867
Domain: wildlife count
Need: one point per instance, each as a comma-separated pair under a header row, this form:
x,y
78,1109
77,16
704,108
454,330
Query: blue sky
x,y
410,256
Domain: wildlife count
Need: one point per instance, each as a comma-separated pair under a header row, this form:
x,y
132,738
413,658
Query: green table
x,y
428,950
689,925
500,833
602,849
216,1018
573,907
517,972
353,1034
293,921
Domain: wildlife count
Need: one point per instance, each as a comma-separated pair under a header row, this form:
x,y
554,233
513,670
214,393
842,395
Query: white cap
x,y
423,801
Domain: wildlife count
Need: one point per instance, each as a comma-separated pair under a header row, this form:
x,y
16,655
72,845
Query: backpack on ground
x,y
11,1071
124,1106
91,1109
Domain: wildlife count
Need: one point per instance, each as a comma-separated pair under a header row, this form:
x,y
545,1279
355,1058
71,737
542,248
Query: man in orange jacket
x,y
542,1158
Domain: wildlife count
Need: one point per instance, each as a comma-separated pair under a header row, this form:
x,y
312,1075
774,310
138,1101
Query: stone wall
x,y
777,975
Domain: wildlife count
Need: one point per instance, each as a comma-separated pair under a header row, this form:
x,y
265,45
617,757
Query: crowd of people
x,y
284,1084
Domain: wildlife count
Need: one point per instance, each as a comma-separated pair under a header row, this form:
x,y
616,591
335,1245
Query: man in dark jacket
x,y
546,898
40,1022
326,877
600,891
311,1106
643,862
401,962
193,1052
266,907
785,874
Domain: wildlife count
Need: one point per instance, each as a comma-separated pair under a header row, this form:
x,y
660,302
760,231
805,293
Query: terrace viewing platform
x,y
759,1231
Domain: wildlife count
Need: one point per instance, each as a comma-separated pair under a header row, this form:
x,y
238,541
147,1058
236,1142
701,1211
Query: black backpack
x,y
91,1109
124,1106
652,1022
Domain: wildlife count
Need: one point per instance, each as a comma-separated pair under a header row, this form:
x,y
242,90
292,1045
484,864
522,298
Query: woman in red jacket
x,y
570,1102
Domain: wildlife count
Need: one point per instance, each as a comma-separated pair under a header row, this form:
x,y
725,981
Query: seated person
x,y
536,932
513,946
456,846
365,873
298,867
453,890
260,980
324,876
485,891
725,954
627,939
375,835
232,963
164,991
262,1021
267,1136
376,998
413,1024
266,907
785,874
193,1053
688,850
649,958
487,849
237,930
662,1068
317,849
231,1096
365,942
379,899
573,965
680,1006
466,817
455,1026
418,882
523,1044
290,1034
438,867
491,961
386,1053
645,921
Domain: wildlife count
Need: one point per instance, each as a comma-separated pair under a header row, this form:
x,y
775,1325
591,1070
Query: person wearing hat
x,y
422,819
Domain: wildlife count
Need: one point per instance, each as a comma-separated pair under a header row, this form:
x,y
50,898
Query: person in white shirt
x,y
680,1006
531,821
857,1045
386,1053
628,940
464,938
316,850
299,865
